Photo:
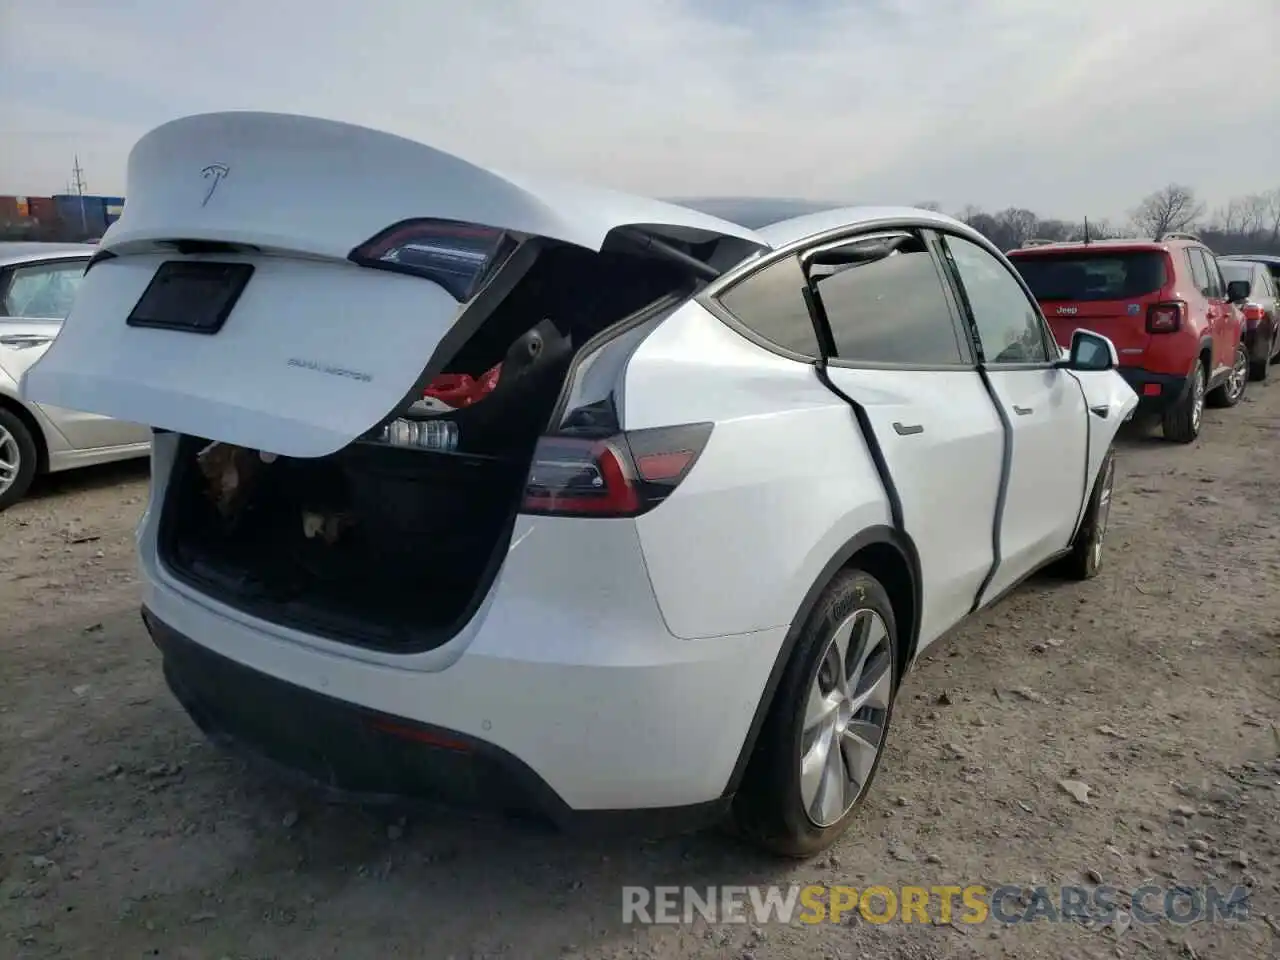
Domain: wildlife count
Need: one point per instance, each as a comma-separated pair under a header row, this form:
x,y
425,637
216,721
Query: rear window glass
x,y
1236,271
1093,276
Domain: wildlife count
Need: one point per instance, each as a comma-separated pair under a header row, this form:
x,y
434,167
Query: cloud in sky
x,y
1070,108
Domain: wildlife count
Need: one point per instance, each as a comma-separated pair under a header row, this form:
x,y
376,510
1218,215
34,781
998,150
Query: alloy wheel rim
x,y
1239,373
10,459
1197,399
1104,513
845,717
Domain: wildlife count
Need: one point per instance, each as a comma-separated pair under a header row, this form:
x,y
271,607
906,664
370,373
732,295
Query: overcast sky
x,y
1069,107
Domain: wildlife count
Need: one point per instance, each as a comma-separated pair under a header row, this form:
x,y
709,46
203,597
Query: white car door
x,y
898,350
42,293
1044,406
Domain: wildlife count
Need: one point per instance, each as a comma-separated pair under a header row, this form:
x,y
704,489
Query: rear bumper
x,y
349,753
1258,340
1156,391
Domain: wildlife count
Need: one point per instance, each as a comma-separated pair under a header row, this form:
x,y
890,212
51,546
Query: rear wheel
x,y
823,739
1261,368
1231,391
1181,422
17,459
1085,559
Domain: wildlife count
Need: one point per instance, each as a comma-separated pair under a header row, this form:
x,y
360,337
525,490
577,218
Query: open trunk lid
x,y
225,303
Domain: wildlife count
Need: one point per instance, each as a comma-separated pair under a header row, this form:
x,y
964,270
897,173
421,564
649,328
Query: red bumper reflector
x,y
1151,389
420,736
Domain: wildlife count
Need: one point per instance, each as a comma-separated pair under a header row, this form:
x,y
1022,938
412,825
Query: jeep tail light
x,y
1253,312
622,475
1166,317
460,257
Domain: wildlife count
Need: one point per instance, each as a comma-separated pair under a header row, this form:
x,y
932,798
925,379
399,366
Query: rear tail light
x,y
623,475
1253,312
457,256
1166,317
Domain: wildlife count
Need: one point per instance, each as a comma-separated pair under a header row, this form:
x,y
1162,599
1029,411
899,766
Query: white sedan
x,y
730,484
38,283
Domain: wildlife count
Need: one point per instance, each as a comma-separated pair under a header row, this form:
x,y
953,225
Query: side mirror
x,y
1091,351
1238,291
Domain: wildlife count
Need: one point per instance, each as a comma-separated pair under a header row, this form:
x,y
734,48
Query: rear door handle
x,y
907,429
1022,411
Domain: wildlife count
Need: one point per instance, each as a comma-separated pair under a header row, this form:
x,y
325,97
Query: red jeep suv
x,y
1166,308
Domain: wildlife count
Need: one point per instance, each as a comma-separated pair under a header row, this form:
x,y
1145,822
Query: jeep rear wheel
x,y
1181,421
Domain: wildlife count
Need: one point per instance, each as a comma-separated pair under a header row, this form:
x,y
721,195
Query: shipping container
x,y
9,209
43,209
112,208
84,215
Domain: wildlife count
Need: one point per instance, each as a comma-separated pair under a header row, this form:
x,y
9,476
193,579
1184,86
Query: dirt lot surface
x,y
1157,685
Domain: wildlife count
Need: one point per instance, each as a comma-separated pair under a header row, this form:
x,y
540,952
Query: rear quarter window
x,y
770,303
1122,275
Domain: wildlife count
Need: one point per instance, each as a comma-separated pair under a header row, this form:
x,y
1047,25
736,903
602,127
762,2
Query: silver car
x,y
38,283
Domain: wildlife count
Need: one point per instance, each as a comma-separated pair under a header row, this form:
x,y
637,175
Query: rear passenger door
x,y
1043,405
896,348
1220,326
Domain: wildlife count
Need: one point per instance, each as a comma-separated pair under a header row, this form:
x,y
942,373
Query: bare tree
x,y
932,205
1272,224
1018,224
1254,210
1168,210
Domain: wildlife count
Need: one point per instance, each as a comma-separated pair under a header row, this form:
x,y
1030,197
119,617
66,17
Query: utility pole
x,y
78,172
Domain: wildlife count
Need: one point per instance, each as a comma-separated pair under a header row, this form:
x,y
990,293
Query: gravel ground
x,y
1157,685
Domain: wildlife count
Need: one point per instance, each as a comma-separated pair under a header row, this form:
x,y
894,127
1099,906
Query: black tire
x,y
1085,559
1231,391
769,807
11,427
1181,421
1260,369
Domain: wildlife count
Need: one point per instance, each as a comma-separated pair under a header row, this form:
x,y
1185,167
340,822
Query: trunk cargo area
x,y
376,544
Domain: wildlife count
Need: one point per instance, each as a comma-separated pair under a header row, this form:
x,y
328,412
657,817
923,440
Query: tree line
x,y
1245,224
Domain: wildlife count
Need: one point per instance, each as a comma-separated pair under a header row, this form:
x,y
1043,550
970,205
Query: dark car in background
x,y
1261,307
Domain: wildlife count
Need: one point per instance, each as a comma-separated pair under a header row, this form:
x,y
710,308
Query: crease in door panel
x,y
1088,450
1006,469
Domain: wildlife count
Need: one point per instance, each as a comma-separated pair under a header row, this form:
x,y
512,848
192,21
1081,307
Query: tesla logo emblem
x,y
215,173
1068,311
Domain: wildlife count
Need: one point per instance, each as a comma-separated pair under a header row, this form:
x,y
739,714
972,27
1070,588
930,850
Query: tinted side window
x,y
1217,289
1199,275
1008,321
887,308
771,304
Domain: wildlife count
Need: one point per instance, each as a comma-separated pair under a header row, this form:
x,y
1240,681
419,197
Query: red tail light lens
x,y
1166,317
1253,312
624,475
457,256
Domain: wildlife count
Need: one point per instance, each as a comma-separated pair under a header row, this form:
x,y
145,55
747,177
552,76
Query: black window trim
x,y
1047,338
709,297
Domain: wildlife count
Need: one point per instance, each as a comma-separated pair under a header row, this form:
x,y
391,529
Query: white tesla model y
x,y
729,484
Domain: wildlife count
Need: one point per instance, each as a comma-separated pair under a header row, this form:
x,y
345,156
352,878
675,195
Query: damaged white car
x,y
548,499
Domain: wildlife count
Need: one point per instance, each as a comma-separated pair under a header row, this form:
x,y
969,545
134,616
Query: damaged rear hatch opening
x,y
353,397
